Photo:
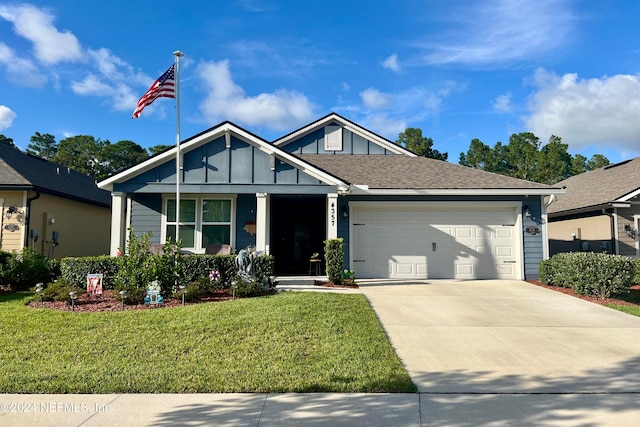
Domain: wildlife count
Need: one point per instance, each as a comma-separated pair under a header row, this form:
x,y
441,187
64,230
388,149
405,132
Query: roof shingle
x,y
403,172
599,187
18,169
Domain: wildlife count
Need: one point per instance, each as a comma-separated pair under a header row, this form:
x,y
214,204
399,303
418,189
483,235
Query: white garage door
x,y
470,242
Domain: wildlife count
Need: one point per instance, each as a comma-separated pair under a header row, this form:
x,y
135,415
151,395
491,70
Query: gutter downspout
x,y
28,218
614,246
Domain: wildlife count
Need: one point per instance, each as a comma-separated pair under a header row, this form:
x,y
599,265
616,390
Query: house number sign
x,y
332,213
12,227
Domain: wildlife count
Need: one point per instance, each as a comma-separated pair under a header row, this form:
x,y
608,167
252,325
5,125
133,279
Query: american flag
x,y
164,87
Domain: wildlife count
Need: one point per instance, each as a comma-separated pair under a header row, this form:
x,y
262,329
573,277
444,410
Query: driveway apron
x,y
495,336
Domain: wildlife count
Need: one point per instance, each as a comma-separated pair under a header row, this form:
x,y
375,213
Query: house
x,y
599,211
400,215
51,209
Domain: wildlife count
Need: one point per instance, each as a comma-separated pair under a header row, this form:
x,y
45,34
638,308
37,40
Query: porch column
x,y
263,221
118,227
332,216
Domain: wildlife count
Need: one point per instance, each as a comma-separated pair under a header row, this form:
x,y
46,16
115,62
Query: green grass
x,y
631,309
289,342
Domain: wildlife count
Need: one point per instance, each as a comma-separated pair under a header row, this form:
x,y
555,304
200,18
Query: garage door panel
x,y
435,243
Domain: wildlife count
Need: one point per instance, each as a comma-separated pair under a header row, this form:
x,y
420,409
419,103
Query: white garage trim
x,y
510,210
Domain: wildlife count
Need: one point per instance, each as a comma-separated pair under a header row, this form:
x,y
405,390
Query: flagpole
x,y
177,54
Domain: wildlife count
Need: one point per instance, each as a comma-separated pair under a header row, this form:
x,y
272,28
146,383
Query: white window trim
x,y
199,198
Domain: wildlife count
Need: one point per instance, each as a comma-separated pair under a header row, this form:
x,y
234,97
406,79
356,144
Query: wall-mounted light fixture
x,y
52,220
12,210
631,232
345,211
527,211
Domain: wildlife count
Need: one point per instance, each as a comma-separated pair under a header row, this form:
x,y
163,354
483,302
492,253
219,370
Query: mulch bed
x,y
635,289
346,284
110,301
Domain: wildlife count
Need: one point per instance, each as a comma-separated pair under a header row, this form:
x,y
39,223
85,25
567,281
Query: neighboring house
x,y
400,215
599,211
55,211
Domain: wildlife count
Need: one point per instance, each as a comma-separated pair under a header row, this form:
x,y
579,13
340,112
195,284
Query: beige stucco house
x,y
599,212
53,210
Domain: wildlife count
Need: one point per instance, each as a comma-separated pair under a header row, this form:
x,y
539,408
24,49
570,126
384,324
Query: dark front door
x,y
298,231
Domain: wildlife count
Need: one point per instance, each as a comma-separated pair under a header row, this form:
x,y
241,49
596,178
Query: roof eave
x,y
362,190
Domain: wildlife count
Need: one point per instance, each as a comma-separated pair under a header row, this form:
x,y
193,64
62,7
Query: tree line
x,y
523,157
94,157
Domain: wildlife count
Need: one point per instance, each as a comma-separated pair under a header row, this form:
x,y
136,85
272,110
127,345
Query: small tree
x,y
135,268
334,256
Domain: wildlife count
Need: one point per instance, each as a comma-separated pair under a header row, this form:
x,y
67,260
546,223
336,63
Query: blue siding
x,y
245,212
313,143
217,162
146,210
213,163
533,245
193,165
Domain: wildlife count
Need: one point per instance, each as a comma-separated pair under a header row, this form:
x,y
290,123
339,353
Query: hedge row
x,y
595,274
190,269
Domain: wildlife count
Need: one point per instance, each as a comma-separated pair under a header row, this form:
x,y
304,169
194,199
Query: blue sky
x,y
458,70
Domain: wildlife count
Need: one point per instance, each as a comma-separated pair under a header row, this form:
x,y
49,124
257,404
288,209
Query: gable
x,y
334,134
223,156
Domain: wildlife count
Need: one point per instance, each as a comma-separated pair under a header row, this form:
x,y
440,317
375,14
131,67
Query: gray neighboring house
x,y
600,211
400,215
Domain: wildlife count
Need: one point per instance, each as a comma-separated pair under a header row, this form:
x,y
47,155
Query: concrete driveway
x,y
507,337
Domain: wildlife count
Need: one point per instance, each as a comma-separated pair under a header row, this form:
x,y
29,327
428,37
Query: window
x,y
203,221
216,222
187,221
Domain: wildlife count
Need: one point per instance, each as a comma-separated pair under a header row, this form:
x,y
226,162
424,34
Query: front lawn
x,y
289,342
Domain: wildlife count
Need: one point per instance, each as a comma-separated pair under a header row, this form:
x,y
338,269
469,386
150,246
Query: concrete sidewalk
x,y
289,409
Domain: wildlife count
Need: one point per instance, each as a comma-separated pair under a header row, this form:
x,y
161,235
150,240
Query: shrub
x,y
545,272
195,290
636,276
24,269
59,291
75,270
248,287
595,274
264,266
334,256
197,266
168,267
135,268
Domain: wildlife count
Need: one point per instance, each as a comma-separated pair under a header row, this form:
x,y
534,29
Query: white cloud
x,y
6,117
586,112
282,109
502,103
112,80
19,70
372,98
385,125
391,63
498,31
50,45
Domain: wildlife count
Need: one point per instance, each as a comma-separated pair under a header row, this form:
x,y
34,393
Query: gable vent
x,y
333,138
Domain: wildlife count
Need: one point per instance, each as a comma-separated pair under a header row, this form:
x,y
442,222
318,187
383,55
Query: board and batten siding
x,y
314,143
213,163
